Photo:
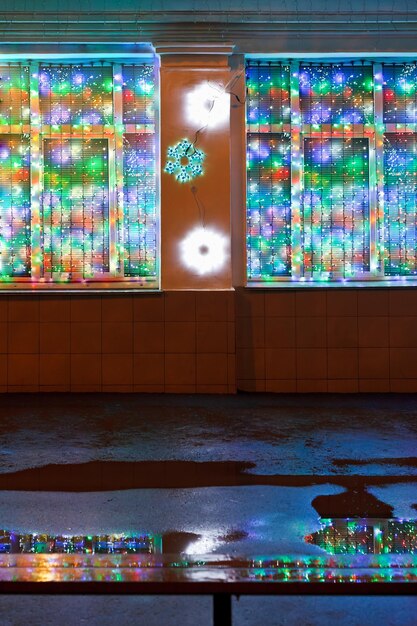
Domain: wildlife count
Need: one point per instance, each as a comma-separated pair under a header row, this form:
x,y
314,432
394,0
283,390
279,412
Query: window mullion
x,y
377,224
296,172
116,178
35,175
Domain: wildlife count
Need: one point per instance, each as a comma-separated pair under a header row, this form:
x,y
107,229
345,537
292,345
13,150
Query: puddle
x,y
123,475
101,491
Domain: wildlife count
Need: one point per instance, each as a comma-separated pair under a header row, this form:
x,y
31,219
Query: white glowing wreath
x,y
204,250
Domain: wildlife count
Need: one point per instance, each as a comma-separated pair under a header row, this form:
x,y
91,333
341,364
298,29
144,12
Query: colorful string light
x,y
75,206
76,95
336,207
269,205
139,94
15,226
400,93
400,201
331,171
14,95
140,227
336,95
77,173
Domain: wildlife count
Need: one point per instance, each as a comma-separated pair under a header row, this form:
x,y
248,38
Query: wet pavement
x,y
233,485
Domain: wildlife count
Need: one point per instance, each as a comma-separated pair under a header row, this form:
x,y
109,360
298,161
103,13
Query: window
x,y
78,202
331,171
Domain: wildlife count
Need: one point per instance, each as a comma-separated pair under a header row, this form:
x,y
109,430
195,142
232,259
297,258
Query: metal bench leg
x,y
222,609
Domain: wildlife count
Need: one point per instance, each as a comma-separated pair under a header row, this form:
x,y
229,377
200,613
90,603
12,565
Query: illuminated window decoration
x,y
185,162
74,95
331,94
400,93
208,105
15,229
75,206
400,202
139,192
268,99
335,211
138,94
78,190
331,167
204,250
269,205
14,95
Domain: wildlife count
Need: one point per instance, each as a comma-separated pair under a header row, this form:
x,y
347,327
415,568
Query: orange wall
x,y
180,214
294,340
169,342
327,340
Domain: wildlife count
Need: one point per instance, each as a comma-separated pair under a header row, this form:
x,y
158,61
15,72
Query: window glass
x,y
78,192
331,174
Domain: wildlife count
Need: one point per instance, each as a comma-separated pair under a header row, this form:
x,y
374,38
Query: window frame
x,y
114,279
298,132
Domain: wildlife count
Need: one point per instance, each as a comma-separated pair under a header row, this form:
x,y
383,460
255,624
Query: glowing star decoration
x,y
184,161
208,106
204,250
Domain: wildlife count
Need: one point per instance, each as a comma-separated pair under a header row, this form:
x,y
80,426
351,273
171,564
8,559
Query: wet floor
x,y
209,478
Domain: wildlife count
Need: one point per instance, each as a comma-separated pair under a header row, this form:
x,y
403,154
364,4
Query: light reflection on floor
x,y
293,569
126,568
366,550
269,468
366,536
12,542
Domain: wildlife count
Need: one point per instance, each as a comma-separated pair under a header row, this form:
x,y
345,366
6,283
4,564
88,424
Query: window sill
x,y
82,287
342,284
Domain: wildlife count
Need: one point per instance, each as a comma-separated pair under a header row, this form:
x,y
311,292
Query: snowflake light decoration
x,y
204,250
184,161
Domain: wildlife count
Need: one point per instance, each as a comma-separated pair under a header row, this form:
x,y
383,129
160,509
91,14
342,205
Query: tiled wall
x,y
172,342
327,340
319,340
